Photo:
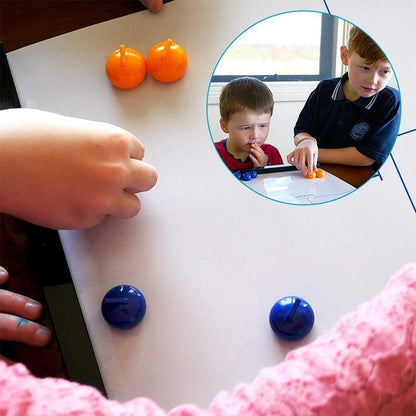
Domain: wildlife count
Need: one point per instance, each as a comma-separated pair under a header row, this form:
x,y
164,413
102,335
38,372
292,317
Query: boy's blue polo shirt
x,y
369,124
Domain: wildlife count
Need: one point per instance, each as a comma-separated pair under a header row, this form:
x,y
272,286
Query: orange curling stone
x,y
167,61
125,68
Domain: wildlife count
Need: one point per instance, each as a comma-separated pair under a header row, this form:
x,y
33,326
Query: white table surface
x,y
291,187
210,255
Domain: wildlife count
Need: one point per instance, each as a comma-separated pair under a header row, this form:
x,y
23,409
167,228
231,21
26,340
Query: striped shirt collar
x,y
338,94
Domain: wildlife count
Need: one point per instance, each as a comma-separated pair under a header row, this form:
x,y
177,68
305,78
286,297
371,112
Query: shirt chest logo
x,y
359,130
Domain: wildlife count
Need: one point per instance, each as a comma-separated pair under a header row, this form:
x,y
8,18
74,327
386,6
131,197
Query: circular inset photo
x,y
303,107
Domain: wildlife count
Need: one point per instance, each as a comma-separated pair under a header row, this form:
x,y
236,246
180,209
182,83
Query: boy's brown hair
x,y
364,46
245,93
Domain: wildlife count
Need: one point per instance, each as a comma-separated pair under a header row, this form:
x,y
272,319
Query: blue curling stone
x,y
123,306
237,174
291,318
253,174
246,176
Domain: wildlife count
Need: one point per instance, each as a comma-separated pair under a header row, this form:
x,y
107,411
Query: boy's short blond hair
x,y
364,46
245,93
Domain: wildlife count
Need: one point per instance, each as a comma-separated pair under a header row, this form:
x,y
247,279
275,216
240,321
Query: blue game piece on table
x,y
246,176
253,174
237,174
123,306
291,318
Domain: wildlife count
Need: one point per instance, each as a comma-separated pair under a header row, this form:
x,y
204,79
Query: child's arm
x,y
345,156
64,172
306,155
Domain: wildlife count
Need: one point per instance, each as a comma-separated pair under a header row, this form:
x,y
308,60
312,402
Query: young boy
x,y
246,106
353,120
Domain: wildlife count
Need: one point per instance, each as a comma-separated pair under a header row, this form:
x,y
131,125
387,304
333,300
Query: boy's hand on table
x,y
257,156
67,173
304,157
17,313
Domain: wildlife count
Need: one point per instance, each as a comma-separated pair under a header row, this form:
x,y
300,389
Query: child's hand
x,y
257,156
152,5
305,156
64,172
17,313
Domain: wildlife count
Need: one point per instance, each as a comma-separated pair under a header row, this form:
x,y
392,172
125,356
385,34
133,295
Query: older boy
x,y
353,120
246,106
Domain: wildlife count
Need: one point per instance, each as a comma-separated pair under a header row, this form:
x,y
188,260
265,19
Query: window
x,y
297,46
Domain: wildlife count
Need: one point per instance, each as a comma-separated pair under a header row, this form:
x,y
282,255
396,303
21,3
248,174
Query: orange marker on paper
x,y
167,61
125,68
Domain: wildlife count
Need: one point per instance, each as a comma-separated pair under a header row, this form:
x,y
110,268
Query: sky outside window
x,y
285,44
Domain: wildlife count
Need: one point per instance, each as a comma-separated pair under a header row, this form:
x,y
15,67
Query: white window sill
x,y
282,90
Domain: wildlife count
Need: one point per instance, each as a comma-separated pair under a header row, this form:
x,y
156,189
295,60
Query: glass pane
x,y
285,44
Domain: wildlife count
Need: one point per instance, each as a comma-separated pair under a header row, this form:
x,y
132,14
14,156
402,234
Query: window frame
x,y
327,58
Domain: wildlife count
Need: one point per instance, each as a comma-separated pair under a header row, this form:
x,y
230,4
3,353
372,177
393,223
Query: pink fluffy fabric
x,y
365,366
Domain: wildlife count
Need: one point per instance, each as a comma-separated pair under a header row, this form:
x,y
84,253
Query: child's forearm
x,y
65,173
345,156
